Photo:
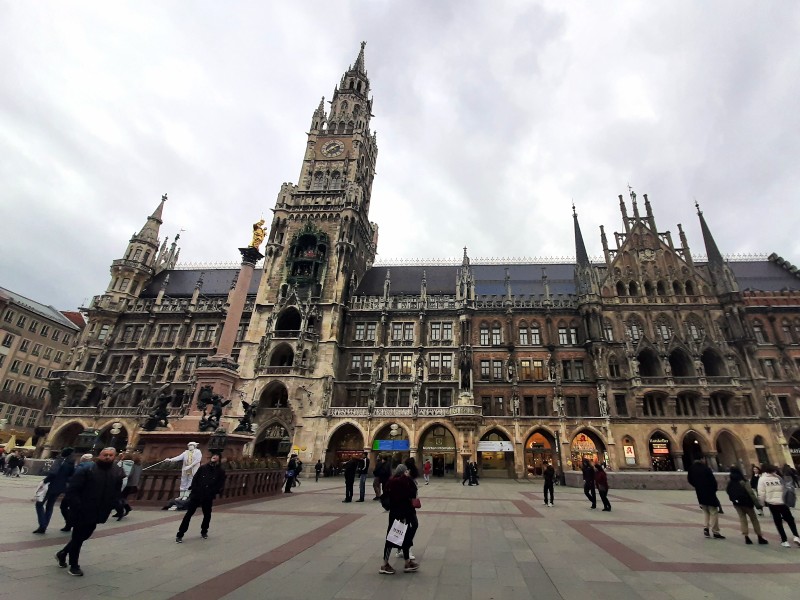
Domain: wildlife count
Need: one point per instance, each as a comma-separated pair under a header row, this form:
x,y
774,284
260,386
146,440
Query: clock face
x,y
332,148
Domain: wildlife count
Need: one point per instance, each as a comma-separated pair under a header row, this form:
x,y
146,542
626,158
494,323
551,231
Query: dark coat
x,y
93,493
58,476
549,474
207,482
350,469
601,479
702,479
588,474
401,490
383,471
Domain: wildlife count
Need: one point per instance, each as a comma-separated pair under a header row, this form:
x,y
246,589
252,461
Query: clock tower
x,y
319,245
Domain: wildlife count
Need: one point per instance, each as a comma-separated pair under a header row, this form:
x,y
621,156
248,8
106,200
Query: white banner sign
x,y
494,446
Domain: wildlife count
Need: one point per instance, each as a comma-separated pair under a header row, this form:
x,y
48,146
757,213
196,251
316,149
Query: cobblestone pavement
x,y
493,541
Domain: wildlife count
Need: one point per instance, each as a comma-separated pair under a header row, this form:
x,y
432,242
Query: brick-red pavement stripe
x,y
227,582
636,562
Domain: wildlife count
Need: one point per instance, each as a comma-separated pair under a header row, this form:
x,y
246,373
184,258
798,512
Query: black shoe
x,y
66,528
178,539
747,540
719,511
204,535
76,571
593,506
38,530
706,533
606,510
360,500
61,559
346,501
761,540
127,510
718,536
119,516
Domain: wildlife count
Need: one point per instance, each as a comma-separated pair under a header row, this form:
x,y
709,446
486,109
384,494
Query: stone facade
x,y
644,360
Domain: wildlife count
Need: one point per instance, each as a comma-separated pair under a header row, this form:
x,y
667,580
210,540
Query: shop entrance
x,y
392,442
345,443
586,445
692,449
661,453
538,453
495,455
439,446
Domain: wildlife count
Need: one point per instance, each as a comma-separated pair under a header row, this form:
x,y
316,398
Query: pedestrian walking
x,y
426,471
93,495
298,470
363,473
744,500
401,490
317,469
756,473
601,481
291,473
208,482
773,494
350,469
56,480
549,480
131,486
588,482
86,462
702,479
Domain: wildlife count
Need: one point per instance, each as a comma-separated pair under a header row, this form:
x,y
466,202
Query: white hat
x,y
192,444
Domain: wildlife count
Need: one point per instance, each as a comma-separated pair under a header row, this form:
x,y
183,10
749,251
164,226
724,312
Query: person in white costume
x,y
191,458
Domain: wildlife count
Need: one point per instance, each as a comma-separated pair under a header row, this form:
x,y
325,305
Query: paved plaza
x,y
495,541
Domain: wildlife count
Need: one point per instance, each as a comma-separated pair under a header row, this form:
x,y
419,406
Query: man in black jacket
x,y
206,484
291,473
92,494
588,482
702,479
363,472
349,478
56,479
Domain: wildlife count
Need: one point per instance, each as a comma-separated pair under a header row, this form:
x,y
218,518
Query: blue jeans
x,y
44,510
362,486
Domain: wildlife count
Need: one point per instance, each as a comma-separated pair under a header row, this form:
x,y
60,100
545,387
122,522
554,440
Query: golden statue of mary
x,y
259,233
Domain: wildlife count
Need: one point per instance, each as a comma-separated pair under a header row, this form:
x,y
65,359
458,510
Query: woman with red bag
x,y
401,491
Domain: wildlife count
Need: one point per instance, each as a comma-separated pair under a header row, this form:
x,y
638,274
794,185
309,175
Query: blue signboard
x,y
391,445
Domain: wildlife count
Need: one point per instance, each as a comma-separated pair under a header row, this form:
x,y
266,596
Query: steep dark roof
x,y
216,282
526,280
763,275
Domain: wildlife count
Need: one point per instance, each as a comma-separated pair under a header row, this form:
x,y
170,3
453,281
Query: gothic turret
x,y
721,275
585,278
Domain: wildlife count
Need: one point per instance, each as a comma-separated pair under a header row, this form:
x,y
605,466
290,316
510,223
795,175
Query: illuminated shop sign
x,y
495,446
391,445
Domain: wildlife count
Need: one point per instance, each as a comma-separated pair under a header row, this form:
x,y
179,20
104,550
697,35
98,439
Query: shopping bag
x,y
397,533
41,492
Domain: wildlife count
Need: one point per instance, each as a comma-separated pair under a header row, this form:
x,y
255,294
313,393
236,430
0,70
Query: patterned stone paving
x,y
494,541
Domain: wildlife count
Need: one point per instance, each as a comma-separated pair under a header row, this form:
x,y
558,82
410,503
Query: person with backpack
x,y
777,496
317,469
299,469
291,473
745,502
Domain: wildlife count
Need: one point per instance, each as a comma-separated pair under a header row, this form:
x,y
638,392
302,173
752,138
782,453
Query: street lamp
x,y
116,427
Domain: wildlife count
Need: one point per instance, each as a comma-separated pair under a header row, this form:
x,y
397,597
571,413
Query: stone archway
x,y
730,452
587,444
540,449
108,439
694,448
345,443
275,395
438,444
660,446
273,441
495,454
392,442
66,436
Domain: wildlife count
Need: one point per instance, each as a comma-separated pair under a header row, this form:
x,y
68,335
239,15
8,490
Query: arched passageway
x,y
693,449
439,446
345,443
272,442
540,450
495,455
730,452
586,444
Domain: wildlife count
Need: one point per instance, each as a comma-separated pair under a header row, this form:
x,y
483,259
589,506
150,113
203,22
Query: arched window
x,y
345,105
695,329
319,181
613,367
649,364
759,333
336,180
484,331
621,291
608,330
524,337
497,334
689,288
787,332
350,127
633,288
648,289
146,258
663,329
536,338
634,329
677,287
136,254
661,288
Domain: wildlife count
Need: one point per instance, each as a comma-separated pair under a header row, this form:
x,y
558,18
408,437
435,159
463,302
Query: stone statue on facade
x,y
465,366
246,421
602,400
212,413
558,405
159,416
259,233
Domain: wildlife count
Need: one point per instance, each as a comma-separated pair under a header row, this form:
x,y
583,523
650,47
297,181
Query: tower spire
x,y
359,64
580,248
721,275
713,253
149,232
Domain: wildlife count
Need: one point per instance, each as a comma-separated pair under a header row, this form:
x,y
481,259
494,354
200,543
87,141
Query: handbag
x,y
289,473
416,503
41,492
397,533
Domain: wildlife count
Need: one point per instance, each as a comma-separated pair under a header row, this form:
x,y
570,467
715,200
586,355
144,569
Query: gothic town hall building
x,y
645,360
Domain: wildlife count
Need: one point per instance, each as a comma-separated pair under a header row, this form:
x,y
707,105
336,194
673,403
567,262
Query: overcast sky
x,y
491,117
